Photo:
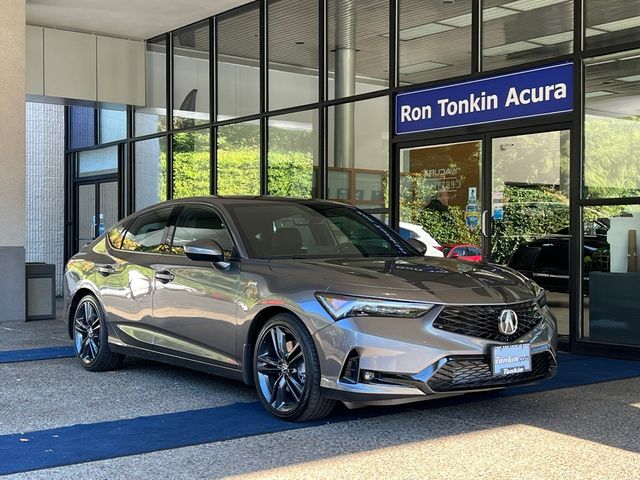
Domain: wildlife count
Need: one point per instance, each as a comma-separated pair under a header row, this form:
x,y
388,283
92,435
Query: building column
x,y
345,81
12,160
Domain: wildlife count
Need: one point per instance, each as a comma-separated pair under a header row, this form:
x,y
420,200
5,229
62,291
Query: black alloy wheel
x,y
287,372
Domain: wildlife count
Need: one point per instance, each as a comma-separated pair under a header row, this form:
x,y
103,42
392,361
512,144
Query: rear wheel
x,y
90,337
287,371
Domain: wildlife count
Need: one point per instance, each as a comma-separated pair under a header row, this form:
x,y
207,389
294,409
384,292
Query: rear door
x,y
127,283
194,302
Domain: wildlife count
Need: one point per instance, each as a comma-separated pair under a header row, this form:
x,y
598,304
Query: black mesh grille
x,y
475,373
482,320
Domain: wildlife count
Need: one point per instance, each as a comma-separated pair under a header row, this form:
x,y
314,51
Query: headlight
x,y
541,295
342,306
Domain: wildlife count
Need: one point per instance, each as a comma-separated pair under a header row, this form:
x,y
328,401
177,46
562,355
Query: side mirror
x,y
455,255
418,245
204,250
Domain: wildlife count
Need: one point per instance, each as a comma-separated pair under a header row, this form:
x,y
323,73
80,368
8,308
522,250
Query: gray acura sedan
x,y
313,302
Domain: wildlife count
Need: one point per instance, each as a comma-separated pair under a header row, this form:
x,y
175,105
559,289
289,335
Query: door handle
x,y
105,270
164,276
483,222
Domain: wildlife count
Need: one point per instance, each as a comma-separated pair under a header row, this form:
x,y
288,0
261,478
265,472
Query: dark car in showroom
x,y
313,302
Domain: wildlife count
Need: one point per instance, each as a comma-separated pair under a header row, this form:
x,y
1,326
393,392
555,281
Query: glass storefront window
x,y
612,126
435,40
113,125
522,31
150,172
191,76
153,117
191,164
98,162
357,46
238,63
358,151
611,272
82,127
293,53
238,165
293,154
611,23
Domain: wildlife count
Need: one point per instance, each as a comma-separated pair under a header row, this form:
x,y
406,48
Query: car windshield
x,y
291,230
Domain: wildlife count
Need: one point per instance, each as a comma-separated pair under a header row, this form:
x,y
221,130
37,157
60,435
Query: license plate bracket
x,y
510,359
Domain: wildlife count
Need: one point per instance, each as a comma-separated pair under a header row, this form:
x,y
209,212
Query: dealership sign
x,y
528,93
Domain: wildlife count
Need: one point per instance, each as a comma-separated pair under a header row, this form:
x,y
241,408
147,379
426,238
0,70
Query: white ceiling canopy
x,y
135,19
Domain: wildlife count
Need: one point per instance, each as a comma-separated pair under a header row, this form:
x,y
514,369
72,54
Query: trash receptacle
x,y
41,291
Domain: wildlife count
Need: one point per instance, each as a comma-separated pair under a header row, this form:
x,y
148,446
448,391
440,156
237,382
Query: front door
x,y
194,302
96,209
529,211
441,198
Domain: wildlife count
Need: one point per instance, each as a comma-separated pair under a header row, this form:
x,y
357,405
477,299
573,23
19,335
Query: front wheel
x,y
287,371
90,337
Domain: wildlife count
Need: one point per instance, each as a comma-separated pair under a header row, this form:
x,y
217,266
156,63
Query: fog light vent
x,y
351,368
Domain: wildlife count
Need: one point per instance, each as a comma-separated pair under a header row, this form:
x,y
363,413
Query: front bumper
x,y
414,361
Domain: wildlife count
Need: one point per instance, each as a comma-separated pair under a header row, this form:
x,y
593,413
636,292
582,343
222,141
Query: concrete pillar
x,y
12,160
345,82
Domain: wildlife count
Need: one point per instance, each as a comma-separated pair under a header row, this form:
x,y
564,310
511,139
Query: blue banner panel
x,y
528,93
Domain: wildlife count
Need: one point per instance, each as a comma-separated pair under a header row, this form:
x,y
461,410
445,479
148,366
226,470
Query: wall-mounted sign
x,y
528,93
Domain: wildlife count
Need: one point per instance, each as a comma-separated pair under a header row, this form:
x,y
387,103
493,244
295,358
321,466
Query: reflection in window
x,y
153,117
81,127
612,127
293,147
523,31
191,164
147,233
293,54
98,162
435,40
191,76
358,46
150,170
239,63
238,164
113,125
200,223
440,194
611,269
609,23
359,153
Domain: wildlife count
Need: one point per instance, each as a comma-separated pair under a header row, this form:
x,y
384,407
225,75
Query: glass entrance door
x,y
530,212
441,198
96,209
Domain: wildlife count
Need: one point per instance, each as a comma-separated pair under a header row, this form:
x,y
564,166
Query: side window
x,y
115,235
198,223
473,251
147,232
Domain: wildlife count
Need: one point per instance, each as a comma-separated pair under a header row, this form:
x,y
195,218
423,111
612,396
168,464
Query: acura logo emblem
x,y
508,322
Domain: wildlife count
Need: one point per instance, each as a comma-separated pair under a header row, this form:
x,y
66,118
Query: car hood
x,y
412,278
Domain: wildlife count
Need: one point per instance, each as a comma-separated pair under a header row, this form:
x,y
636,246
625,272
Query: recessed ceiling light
x,y
496,12
459,21
592,32
598,93
508,48
630,78
421,67
423,31
554,39
619,24
526,5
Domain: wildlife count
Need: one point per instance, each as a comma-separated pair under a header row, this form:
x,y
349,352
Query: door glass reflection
x,y
530,212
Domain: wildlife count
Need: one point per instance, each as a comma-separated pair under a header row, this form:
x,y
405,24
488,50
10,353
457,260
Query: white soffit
x,y
135,19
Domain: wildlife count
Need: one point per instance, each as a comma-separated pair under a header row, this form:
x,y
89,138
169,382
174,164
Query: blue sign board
x,y
528,93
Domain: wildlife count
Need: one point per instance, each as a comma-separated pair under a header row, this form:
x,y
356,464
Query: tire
x,y
285,359
92,348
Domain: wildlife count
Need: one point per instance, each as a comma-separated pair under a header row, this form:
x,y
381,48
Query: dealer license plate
x,y
510,359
